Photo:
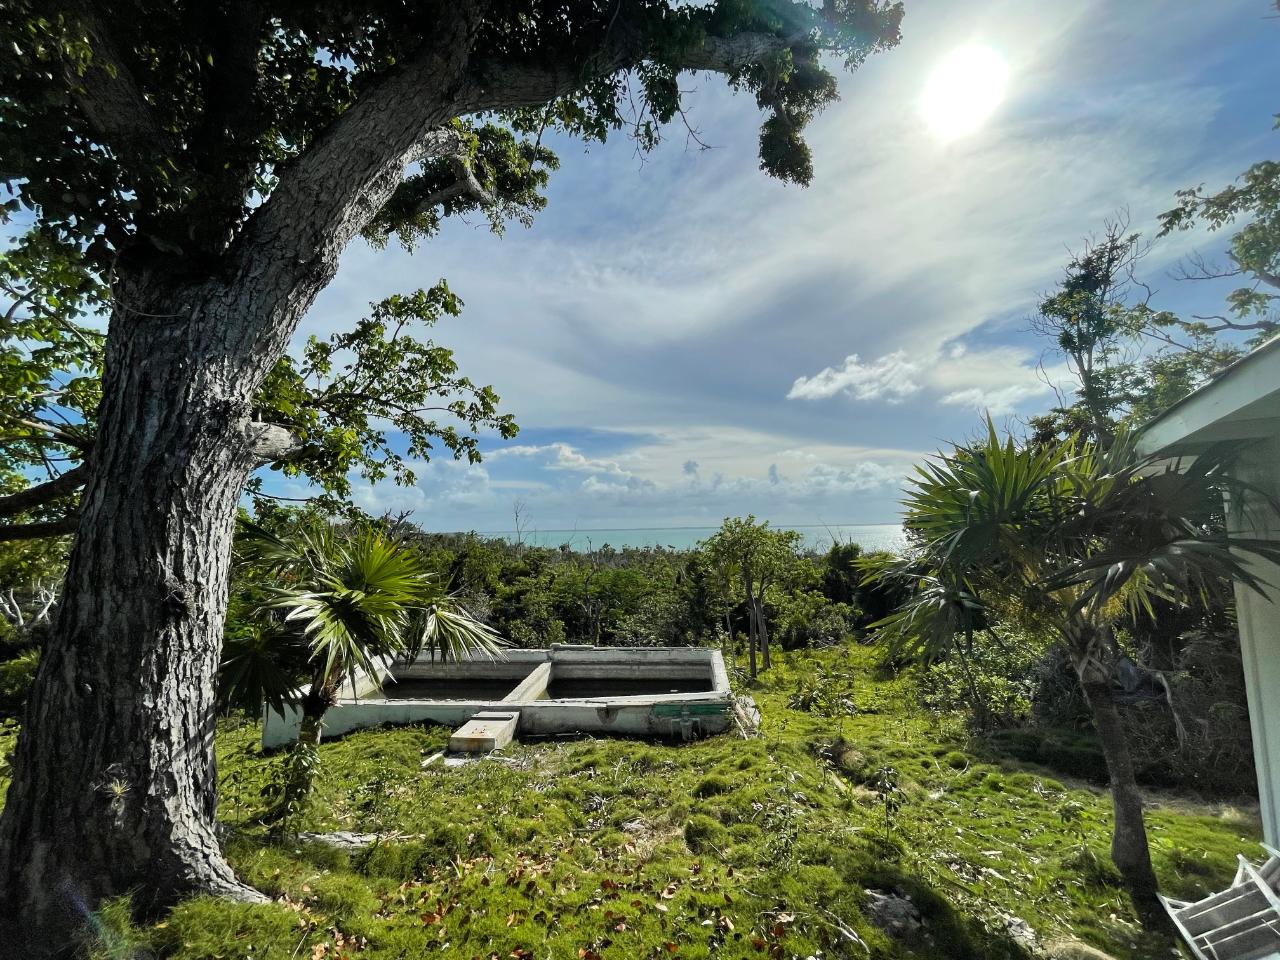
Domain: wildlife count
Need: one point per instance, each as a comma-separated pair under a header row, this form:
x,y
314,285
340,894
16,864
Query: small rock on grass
x,y
895,915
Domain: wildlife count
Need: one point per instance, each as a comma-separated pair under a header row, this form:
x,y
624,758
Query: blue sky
x,y
681,338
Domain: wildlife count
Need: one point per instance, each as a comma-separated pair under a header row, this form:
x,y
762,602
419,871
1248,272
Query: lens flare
x,y
963,91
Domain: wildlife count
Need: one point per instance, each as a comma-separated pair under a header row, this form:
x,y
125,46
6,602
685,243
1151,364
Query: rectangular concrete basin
x,y
650,691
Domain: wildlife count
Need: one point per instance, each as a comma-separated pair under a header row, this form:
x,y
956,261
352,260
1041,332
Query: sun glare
x,y
964,91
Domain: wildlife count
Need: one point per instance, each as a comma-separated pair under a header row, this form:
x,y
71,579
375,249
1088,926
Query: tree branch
x,y
106,91
494,85
53,432
332,190
43,493
1267,277
38,531
1224,323
450,146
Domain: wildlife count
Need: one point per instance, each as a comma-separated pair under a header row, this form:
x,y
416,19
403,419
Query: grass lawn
x,y
722,848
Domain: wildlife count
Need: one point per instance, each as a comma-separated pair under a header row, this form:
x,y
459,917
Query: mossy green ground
x,y
722,848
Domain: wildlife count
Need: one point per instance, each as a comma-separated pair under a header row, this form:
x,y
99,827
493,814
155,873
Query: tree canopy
x,y
161,128
202,166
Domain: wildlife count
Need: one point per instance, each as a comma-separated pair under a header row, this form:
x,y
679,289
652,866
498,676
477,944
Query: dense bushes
x,y
1198,733
1187,725
992,677
536,596
16,677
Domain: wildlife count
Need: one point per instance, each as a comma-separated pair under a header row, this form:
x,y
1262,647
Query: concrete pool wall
x,y
678,692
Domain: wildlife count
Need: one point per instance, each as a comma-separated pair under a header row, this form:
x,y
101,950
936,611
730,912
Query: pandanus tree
x,y
206,162
1073,538
339,606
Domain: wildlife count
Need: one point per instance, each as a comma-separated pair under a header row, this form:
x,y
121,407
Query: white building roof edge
x,y
1200,416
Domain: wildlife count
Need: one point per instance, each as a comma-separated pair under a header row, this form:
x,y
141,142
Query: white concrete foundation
x,y
674,692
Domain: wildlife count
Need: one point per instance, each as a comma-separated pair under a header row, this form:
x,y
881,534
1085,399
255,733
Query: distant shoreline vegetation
x,y
870,536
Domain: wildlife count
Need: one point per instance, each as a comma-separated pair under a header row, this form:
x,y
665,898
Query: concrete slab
x,y
486,731
532,674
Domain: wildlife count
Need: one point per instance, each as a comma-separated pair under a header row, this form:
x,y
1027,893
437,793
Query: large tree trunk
x,y
114,784
1129,849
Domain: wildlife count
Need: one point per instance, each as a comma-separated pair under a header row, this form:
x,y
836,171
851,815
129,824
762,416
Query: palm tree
x,y
1073,538
339,605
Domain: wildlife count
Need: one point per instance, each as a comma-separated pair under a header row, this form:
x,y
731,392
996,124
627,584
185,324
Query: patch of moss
x,y
712,785
704,835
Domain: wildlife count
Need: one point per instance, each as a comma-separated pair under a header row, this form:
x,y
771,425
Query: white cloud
x,y
561,456
997,380
891,378
997,401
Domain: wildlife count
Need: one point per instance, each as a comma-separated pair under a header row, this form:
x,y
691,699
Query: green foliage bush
x,y
16,677
826,691
537,596
991,681
809,619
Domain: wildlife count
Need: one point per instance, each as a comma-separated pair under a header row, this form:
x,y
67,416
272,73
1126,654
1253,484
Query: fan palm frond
x,y
351,600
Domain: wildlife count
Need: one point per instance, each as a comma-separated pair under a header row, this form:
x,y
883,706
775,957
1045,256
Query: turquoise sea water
x,y
870,536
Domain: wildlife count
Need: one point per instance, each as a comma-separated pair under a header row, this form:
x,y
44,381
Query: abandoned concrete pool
x,y
673,692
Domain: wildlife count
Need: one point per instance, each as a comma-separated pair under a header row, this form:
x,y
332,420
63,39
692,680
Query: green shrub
x,y
824,690
993,683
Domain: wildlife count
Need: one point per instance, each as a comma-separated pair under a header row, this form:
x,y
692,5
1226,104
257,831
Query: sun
x,y
964,90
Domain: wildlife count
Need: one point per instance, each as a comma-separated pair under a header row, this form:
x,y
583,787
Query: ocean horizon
x,y
817,536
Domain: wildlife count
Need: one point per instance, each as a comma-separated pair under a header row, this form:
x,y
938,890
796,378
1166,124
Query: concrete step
x,y
486,731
